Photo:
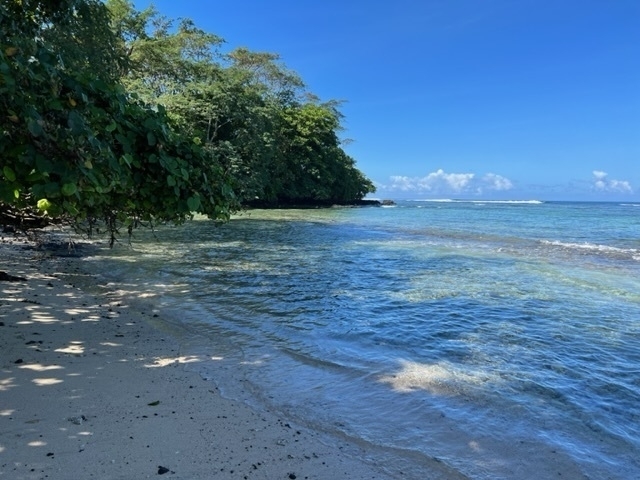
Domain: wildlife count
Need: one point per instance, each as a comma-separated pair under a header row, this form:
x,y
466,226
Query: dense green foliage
x,y
115,115
278,142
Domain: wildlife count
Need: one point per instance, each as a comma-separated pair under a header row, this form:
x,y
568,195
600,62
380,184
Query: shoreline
x,y
91,388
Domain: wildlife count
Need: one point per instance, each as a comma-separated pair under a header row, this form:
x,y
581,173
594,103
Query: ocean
x,y
501,339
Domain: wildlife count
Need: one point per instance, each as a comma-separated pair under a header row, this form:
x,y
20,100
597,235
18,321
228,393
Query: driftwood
x,y
21,219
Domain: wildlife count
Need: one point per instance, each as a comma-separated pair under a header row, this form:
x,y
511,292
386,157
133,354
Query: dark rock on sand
x,y
5,277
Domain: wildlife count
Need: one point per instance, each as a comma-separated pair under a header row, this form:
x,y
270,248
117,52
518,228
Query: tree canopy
x,y
124,117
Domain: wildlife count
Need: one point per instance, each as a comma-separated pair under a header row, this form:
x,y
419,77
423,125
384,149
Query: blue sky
x,y
491,99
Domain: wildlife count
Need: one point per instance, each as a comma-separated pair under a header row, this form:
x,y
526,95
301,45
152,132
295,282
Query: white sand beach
x,y
90,389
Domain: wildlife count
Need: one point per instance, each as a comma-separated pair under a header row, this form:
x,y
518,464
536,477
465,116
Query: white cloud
x,y
441,182
497,182
604,184
455,181
403,184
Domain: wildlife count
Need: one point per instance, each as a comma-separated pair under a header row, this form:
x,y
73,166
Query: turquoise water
x,y
501,338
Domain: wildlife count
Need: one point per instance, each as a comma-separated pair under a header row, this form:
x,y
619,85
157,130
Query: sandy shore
x,y
90,389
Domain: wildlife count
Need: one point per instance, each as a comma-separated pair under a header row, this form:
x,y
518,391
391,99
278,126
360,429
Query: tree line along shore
x,y
115,118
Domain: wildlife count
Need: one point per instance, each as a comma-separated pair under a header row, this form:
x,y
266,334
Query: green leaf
x,y
56,105
43,165
150,123
43,204
151,138
69,189
111,127
51,189
70,207
171,181
193,203
9,174
34,176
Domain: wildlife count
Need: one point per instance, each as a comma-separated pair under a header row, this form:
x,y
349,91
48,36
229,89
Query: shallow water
x,y
500,338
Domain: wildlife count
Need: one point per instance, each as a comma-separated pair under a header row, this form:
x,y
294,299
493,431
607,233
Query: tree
x,y
125,117
254,117
314,166
75,146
